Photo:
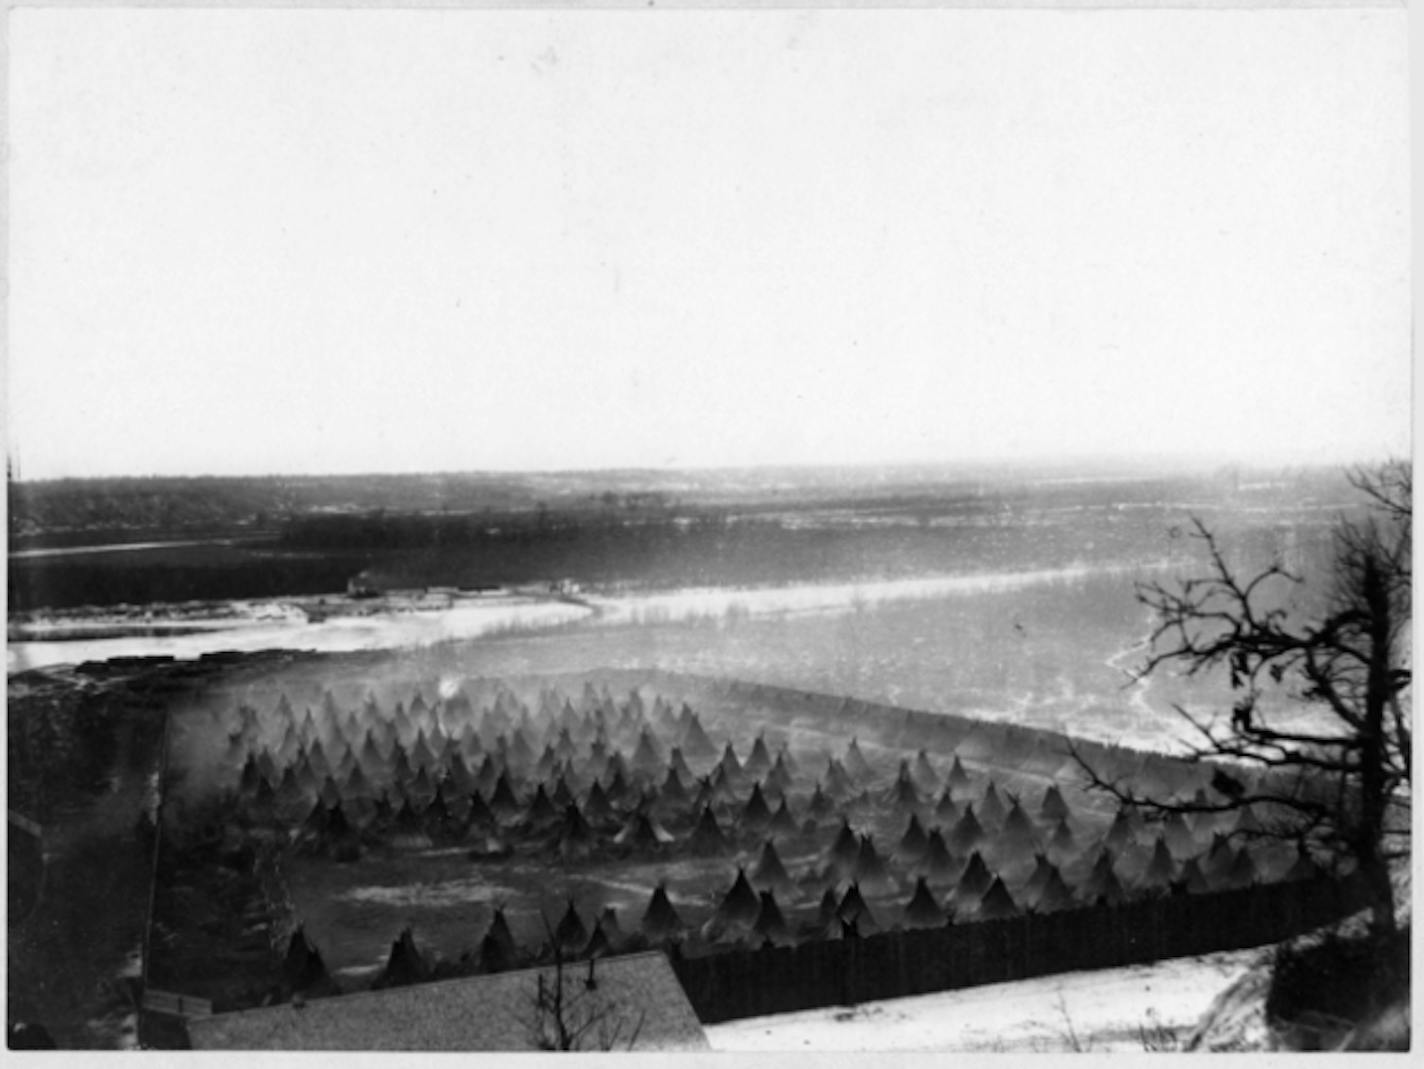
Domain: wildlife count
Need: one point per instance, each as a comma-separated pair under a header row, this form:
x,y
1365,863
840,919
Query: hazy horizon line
x,y
1146,463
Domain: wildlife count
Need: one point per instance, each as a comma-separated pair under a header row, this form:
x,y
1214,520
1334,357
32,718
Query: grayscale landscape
x,y
836,530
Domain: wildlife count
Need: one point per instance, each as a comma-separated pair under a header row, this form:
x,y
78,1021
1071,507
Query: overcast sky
x,y
307,241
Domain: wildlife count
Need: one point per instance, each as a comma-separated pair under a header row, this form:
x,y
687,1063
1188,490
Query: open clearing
x,y
1127,1009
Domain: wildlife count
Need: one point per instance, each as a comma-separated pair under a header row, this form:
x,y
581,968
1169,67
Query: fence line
x,y
752,983
1001,742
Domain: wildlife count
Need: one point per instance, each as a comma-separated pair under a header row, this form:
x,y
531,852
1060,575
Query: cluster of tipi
x,y
827,847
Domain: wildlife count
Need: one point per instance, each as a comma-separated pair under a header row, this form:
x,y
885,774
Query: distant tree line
x,y
422,530
50,509
177,503
68,582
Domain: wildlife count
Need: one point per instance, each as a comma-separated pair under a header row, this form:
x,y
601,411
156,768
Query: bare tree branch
x,y
581,1018
1353,766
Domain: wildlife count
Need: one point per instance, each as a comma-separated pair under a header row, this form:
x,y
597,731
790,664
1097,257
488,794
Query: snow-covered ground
x,y
1136,1008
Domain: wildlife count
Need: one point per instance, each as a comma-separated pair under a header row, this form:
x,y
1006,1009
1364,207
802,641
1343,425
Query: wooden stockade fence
x,y
752,983
994,742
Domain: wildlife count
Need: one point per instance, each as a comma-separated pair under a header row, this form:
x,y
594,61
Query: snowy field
x,y
1137,1008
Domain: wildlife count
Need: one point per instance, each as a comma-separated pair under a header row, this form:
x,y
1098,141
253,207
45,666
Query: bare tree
x,y
575,1014
1341,783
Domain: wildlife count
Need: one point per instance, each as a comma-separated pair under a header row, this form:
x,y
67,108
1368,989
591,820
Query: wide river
x,y
253,626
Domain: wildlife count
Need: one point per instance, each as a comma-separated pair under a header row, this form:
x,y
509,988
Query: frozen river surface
x,y
336,633
252,626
